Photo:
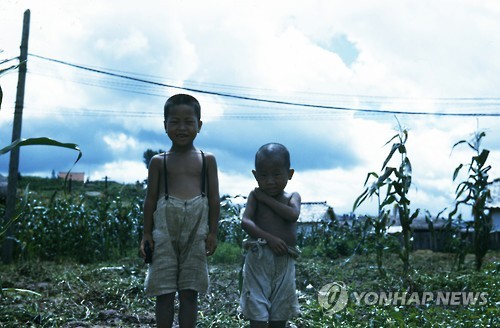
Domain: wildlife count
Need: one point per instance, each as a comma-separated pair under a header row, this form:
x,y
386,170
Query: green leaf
x,y
402,149
361,198
407,165
20,290
458,143
393,137
457,170
17,212
393,149
387,173
40,141
44,141
388,200
481,159
375,175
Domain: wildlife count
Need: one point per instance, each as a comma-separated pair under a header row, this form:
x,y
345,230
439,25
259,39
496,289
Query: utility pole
x,y
10,201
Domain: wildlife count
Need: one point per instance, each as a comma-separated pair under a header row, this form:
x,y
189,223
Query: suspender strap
x,y
165,174
203,170
203,174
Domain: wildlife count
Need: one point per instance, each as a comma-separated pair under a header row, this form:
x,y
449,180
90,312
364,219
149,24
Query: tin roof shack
x,y
439,234
314,218
313,214
436,235
494,206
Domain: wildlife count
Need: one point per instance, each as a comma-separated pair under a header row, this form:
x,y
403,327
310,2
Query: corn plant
x,y
229,230
396,182
78,228
474,192
379,224
10,219
4,228
450,237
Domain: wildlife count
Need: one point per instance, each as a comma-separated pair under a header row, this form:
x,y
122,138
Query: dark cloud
x,y
239,140
233,142
87,133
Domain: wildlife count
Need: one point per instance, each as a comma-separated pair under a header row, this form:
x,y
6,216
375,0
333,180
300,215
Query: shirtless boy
x,y
181,212
268,296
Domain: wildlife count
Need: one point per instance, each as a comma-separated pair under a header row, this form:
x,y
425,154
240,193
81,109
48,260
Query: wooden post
x,y
10,201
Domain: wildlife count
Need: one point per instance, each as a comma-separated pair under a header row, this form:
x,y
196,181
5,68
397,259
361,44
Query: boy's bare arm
x,y
289,212
248,224
150,201
213,203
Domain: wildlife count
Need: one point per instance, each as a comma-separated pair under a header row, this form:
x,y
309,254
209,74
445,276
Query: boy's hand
x,y
278,246
260,195
211,243
151,244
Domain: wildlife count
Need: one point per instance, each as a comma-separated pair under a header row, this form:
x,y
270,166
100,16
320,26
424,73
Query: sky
x,y
331,80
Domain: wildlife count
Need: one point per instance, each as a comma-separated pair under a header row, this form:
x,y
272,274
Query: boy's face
x,y
182,125
272,176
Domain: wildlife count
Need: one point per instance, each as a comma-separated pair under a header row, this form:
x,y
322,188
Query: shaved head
x,y
273,151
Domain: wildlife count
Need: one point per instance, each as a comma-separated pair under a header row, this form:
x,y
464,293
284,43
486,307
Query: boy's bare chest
x,y
184,177
184,166
183,170
274,224
265,216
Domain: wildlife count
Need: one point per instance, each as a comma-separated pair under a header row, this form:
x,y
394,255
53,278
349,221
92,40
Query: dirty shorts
x,y
179,256
268,292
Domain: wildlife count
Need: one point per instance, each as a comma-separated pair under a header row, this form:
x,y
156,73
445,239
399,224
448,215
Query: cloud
x,y
121,171
318,148
131,45
119,142
421,56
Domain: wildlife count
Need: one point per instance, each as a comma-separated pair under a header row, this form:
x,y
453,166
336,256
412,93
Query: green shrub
x,y
333,239
227,253
230,230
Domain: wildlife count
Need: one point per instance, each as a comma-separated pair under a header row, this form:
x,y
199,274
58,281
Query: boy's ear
x,y
165,125
200,123
290,174
254,174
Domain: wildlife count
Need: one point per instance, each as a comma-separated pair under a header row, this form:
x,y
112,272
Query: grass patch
x,y
226,254
110,294
57,282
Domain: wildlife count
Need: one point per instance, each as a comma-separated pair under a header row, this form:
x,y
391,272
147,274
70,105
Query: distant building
x,y
74,176
313,214
437,236
494,205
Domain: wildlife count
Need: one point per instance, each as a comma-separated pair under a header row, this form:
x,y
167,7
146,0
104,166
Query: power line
x,y
8,60
156,91
278,102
